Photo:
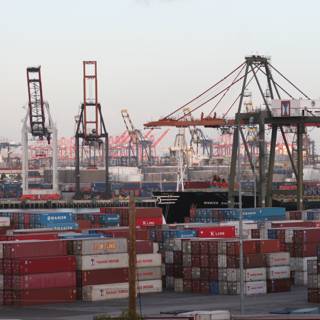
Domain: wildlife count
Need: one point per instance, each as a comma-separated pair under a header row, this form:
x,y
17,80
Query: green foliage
x,y
124,316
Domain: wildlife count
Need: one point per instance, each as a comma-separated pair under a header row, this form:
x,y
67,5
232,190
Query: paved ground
x,y
153,304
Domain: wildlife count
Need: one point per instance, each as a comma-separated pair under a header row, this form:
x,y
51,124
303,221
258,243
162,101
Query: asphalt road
x,y
153,304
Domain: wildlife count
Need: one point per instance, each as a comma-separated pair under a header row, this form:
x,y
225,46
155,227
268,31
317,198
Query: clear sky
x,y
152,55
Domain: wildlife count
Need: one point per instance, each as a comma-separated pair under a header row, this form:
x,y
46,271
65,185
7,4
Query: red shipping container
x,y
213,247
169,270
44,280
279,285
195,247
204,261
187,273
308,249
204,274
177,271
213,261
187,285
149,221
144,246
249,247
34,236
35,249
204,286
43,265
293,224
204,247
195,260
196,286
177,257
268,246
213,274
43,296
141,234
308,235
216,232
93,277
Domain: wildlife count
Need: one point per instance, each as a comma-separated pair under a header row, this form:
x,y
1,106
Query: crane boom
x,y
36,105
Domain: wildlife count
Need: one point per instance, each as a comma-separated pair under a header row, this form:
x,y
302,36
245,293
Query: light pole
x,y
240,226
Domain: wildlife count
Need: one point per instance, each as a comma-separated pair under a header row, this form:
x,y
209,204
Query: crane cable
x,y
204,92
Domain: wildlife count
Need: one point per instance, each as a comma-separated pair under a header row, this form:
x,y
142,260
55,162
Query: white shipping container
x,y
118,290
207,315
288,236
177,244
4,222
149,260
222,261
314,281
168,257
301,264
178,285
255,287
278,272
149,273
223,287
150,286
103,261
300,278
100,246
222,274
105,291
278,259
312,267
233,275
155,247
255,274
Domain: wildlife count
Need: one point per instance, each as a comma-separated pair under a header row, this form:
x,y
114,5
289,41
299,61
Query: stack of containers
x,y
207,215
278,272
305,242
254,269
313,269
204,265
102,266
145,216
53,220
37,272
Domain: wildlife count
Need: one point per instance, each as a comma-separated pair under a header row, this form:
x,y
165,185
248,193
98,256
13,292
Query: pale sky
x,y
153,55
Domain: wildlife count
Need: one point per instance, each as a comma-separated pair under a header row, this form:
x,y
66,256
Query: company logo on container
x,y
108,261
105,246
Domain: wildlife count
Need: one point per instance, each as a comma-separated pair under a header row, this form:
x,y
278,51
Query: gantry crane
x,y
278,111
139,147
38,124
91,129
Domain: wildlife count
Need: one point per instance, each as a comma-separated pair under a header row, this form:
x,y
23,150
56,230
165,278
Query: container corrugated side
x,y
278,272
118,290
278,259
103,261
149,260
44,280
100,246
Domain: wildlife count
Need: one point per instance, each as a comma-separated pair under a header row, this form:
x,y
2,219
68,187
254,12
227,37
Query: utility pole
x,y
132,258
240,226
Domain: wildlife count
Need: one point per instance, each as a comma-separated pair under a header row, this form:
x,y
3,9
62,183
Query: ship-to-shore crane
x,y
91,136
38,124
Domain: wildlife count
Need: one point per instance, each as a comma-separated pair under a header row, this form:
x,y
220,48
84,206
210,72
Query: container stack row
x,y
102,268
212,266
313,269
37,272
